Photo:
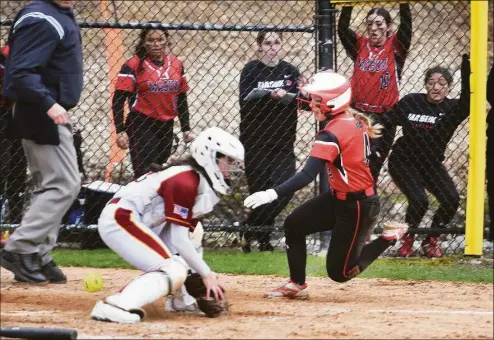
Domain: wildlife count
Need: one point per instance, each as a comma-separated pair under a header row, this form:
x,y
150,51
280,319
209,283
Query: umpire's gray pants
x,y
57,183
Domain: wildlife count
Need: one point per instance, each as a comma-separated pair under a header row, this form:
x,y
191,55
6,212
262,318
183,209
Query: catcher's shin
x,y
211,307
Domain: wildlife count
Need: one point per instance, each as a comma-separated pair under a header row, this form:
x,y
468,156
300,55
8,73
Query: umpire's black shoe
x,y
25,267
53,273
266,247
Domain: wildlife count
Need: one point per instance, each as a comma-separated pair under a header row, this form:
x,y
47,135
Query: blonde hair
x,y
374,129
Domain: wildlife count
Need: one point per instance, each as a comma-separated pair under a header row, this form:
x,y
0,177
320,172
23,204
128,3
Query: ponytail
x,y
374,129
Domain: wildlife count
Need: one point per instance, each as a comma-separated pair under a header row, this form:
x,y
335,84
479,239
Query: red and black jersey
x,y
156,87
377,70
375,76
4,52
345,146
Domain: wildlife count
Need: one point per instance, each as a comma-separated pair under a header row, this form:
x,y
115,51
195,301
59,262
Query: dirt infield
x,y
362,308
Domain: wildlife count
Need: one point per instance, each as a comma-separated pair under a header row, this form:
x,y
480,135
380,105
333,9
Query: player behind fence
x,y
416,161
268,128
350,208
154,82
378,59
148,222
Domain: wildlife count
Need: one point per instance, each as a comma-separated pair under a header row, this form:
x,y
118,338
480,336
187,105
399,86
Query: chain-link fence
x,y
216,43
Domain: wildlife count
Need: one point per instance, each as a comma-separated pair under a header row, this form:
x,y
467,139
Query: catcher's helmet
x,y
205,149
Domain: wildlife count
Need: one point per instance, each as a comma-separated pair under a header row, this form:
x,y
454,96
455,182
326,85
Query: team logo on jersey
x,y
421,118
163,85
180,211
369,65
270,84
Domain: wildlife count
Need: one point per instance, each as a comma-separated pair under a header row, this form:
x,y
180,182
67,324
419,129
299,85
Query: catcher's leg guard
x,y
141,291
181,301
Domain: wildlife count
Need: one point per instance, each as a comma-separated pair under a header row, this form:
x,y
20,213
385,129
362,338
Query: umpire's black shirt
x,y
44,67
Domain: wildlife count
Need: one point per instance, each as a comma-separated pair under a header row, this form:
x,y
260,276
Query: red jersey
x,y
345,144
156,87
375,76
4,52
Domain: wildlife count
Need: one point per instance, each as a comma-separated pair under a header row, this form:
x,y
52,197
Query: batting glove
x,y
260,198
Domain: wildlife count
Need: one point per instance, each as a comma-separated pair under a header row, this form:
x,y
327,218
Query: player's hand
x,y
58,114
278,93
122,140
214,286
301,82
260,198
189,136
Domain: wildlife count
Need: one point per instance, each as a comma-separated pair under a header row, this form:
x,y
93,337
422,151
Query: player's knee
x,y
419,202
176,272
453,200
339,275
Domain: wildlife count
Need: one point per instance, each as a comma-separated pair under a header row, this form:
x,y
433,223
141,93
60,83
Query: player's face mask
x,y
231,170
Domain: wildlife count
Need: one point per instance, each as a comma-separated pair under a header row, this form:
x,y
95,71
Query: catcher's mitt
x,y
211,307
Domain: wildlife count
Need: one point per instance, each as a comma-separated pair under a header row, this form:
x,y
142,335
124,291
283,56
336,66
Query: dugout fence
x,y
214,40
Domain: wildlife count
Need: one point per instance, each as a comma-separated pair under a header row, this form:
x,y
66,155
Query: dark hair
x,y
438,69
181,161
381,12
262,35
140,50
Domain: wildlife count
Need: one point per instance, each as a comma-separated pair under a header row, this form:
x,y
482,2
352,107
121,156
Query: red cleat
x,y
432,247
289,290
406,249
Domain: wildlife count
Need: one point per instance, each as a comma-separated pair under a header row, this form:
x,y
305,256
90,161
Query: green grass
x,y
458,269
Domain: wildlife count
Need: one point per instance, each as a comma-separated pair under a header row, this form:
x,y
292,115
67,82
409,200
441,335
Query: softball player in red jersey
x,y
350,208
379,59
154,82
148,222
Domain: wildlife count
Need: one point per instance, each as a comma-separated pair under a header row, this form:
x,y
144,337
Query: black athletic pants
x,y
381,146
490,177
150,141
266,167
412,178
13,168
351,221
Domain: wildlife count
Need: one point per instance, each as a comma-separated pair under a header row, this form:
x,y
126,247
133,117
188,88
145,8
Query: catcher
x,y
148,223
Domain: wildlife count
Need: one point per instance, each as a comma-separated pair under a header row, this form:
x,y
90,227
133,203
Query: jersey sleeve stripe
x,y
325,150
179,222
123,75
48,18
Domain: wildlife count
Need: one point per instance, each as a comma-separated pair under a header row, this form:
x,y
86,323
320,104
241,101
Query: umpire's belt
x,y
354,196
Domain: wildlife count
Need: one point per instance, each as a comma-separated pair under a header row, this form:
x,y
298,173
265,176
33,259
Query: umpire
x,y
44,78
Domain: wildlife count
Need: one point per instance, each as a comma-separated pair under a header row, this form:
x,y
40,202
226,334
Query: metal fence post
x,y
325,58
478,108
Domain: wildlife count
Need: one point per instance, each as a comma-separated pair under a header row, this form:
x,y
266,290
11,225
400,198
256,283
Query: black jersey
x,y
267,121
428,127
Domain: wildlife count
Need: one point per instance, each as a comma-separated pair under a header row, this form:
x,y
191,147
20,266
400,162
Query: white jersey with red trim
x,y
178,194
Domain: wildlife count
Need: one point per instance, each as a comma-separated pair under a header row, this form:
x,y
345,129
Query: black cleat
x,y
25,267
53,273
266,247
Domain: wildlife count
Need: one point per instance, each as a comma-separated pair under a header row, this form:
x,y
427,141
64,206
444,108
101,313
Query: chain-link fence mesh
x,y
215,41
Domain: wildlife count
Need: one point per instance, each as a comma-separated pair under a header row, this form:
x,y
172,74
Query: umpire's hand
x,y
58,114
